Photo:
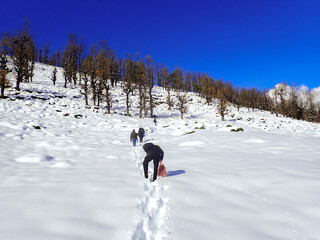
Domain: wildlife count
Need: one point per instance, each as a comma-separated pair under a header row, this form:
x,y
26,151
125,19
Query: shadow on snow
x,y
175,173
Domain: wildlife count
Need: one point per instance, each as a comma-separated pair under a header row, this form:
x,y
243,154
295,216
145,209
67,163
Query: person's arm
x,y
161,154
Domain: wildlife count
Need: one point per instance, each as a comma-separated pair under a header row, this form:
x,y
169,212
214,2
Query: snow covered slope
x,y
69,172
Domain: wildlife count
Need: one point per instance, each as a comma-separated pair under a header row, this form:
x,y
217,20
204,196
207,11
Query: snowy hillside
x,y
70,172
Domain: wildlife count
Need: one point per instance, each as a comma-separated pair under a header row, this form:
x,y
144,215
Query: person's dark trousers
x,y
141,139
155,169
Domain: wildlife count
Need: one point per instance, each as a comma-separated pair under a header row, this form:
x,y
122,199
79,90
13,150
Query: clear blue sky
x,y
252,43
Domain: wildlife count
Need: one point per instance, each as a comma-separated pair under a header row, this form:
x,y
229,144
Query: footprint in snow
x,y
152,206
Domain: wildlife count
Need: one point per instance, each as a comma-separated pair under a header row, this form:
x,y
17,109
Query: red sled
x,y
162,170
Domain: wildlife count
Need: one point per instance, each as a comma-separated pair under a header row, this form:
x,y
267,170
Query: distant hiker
x,y
154,120
141,134
133,137
154,153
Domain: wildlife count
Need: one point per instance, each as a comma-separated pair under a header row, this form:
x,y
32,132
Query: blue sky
x,y
252,43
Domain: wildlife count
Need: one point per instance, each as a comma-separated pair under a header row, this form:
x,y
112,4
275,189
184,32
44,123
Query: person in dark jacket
x,y
141,134
154,153
133,137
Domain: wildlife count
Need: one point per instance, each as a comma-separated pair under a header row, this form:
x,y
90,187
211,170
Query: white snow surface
x,y
70,172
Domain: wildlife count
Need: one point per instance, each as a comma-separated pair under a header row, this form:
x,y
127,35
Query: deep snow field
x,y
70,172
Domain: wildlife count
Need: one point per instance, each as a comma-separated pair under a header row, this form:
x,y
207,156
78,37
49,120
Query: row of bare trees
x,y
99,72
98,69
284,100
295,103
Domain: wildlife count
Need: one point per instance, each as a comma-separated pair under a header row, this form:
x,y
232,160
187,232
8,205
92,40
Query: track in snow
x,y
152,206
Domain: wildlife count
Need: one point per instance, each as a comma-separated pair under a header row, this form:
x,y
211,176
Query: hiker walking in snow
x,y
141,134
154,153
155,120
133,137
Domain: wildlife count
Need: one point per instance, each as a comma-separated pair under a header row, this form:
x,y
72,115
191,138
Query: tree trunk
x,y
127,102
18,84
140,101
151,102
168,100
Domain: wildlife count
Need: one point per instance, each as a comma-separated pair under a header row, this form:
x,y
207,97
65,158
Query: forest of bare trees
x,y
97,70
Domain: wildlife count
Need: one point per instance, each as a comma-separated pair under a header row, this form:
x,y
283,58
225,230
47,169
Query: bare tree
x,y
195,83
93,74
115,70
237,99
177,79
88,67
70,60
222,103
293,109
32,57
139,72
188,80
207,88
66,65
127,84
150,81
280,92
20,56
158,74
182,101
46,49
107,86
58,58
310,111
5,45
102,69
318,112
167,84
81,49
40,59
54,76
104,73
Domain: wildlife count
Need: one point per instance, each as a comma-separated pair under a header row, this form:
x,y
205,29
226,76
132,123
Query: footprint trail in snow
x,y
152,207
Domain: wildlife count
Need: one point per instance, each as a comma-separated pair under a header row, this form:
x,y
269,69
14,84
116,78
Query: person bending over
x,y
154,153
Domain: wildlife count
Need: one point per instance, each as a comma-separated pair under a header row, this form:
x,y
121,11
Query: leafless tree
x,y
54,76
70,60
195,83
182,101
222,103
46,49
177,79
310,111
207,88
167,84
150,81
5,45
20,56
127,83
188,80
